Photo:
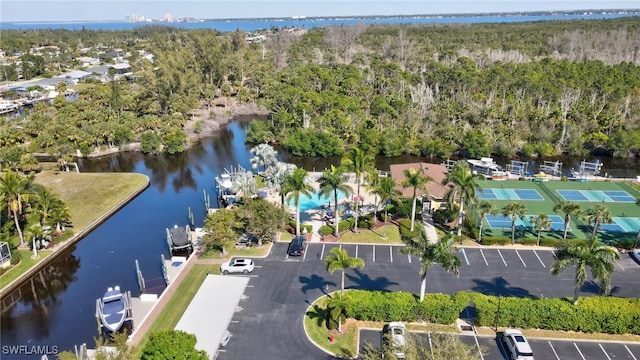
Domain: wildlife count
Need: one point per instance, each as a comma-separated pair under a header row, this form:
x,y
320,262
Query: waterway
x,y
56,308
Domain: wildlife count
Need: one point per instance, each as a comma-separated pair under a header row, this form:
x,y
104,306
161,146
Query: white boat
x,y
7,106
178,239
113,309
485,166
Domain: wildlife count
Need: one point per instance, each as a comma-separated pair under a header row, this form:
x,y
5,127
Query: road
x,y
268,323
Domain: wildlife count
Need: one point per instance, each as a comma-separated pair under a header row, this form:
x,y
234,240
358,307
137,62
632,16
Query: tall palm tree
x,y
338,259
416,180
429,254
295,184
15,190
265,155
593,254
338,306
540,223
360,163
386,190
598,215
569,208
485,208
515,210
332,181
465,183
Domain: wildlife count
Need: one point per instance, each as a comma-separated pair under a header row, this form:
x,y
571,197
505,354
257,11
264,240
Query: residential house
x,y
435,191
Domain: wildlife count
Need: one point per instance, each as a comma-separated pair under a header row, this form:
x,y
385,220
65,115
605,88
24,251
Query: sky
x,y
101,10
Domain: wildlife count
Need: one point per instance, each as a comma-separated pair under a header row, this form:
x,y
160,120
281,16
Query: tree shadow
x,y
500,287
317,314
592,287
315,282
364,281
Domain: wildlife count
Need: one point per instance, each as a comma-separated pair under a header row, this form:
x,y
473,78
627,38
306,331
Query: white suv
x,y
517,345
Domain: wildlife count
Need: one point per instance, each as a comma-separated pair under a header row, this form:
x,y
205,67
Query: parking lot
x,y
268,321
546,349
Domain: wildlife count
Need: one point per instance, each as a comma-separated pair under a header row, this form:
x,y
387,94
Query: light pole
x,y
498,313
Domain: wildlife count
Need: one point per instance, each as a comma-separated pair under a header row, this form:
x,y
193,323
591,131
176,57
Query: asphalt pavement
x,y
268,322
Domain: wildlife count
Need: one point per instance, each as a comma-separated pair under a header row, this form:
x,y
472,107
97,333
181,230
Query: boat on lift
x,y
113,309
487,167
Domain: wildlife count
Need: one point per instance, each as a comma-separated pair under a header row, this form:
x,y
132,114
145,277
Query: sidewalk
x,y
429,228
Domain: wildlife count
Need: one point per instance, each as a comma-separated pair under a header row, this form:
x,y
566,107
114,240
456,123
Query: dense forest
x,y
537,88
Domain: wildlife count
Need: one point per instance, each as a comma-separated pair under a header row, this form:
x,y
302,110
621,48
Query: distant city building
x,y
135,18
168,17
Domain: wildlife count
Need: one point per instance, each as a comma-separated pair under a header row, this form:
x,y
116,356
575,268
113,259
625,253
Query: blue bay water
x,y
257,24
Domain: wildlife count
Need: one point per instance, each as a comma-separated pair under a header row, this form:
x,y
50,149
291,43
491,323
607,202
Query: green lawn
x,y
26,263
344,344
373,236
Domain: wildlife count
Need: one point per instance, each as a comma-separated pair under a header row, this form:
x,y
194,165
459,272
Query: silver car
x,y
517,345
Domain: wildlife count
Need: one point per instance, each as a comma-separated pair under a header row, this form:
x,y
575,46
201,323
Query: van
x,y
296,246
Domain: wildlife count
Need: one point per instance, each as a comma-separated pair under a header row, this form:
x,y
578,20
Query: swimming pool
x,y
315,201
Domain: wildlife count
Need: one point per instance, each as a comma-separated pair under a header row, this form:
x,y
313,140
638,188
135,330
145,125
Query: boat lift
x,y
587,169
519,168
551,168
127,306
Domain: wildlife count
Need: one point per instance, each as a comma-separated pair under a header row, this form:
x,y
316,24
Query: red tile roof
x,y
437,172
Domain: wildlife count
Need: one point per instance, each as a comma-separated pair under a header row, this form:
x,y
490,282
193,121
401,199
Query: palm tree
x,y
386,190
593,254
417,180
541,222
464,183
485,208
360,163
244,183
331,182
274,177
264,155
15,190
338,305
568,208
598,215
429,254
35,232
295,184
338,259
515,210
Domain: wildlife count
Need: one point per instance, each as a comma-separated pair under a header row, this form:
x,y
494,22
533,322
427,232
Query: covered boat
x,y
178,239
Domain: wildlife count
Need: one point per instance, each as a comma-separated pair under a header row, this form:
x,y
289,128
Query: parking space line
x,y
605,353
391,253
478,345
465,256
520,257
322,252
430,343
374,253
234,322
619,265
356,251
579,352
630,353
306,248
554,350
409,258
485,259
536,254
340,247
504,262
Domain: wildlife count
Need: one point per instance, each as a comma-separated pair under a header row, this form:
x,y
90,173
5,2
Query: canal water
x,y
56,308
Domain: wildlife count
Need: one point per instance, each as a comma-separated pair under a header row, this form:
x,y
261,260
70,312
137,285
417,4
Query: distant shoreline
x,y
579,12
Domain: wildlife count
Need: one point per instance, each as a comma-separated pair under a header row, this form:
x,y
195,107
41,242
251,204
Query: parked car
x,y
226,336
635,253
296,246
239,265
518,347
395,337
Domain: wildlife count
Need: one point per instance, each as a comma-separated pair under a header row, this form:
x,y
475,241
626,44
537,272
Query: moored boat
x,y
113,309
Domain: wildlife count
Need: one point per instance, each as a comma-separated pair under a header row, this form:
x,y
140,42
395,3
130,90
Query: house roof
x,y
437,172
76,74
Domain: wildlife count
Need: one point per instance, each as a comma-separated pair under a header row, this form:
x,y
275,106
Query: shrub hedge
x,y
598,314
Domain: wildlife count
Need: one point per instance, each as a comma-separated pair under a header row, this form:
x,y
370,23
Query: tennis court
x,y
510,194
596,196
503,222
622,224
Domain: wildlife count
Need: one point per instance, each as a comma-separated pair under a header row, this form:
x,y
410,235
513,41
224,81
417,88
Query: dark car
x,y
296,246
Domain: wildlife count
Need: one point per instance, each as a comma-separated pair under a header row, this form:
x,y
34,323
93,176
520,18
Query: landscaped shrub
x,y
346,224
405,227
592,314
528,241
443,216
496,240
366,222
326,230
